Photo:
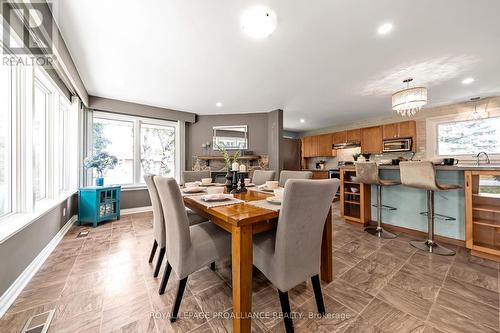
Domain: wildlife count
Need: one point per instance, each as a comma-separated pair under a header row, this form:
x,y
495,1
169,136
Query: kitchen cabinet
x,y
408,129
371,140
339,137
482,215
320,174
317,146
353,135
325,145
405,129
390,131
355,198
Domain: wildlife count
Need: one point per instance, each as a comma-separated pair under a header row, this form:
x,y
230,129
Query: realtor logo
x,y
27,27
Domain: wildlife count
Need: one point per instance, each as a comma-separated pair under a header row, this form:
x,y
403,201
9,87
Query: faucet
x,y
486,155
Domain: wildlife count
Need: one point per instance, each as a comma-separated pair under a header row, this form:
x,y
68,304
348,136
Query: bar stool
x,y
423,175
368,173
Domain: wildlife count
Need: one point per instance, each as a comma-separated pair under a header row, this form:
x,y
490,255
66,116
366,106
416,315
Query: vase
x,y
99,181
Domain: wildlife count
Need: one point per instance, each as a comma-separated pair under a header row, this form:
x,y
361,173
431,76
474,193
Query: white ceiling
x,y
324,63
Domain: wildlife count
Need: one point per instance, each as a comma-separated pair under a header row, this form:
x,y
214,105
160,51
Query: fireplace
x,y
220,176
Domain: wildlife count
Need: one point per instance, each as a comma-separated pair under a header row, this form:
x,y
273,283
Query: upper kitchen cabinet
x,y
405,129
408,129
353,135
317,146
325,145
371,140
339,137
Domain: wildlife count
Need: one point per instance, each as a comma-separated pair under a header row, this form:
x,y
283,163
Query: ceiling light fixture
x,y
409,101
218,104
302,120
259,22
477,115
384,28
468,80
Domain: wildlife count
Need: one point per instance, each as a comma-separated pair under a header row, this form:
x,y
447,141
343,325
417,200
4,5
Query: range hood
x,y
346,145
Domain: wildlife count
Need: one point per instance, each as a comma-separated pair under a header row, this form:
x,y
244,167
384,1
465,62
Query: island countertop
x,y
459,167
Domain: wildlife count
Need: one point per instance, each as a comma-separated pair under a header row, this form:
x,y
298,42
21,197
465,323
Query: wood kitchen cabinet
x,y
482,214
317,146
408,129
405,129
353,135
371,140
390,131
339,137
325,145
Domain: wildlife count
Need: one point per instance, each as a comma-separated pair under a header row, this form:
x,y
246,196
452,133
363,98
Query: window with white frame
x,y
458,135
141,145
5,141
469,137
37,129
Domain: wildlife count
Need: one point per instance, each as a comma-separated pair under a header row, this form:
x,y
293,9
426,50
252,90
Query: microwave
x,y
397,145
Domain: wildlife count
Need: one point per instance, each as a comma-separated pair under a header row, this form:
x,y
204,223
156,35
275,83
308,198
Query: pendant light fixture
x,y
477,115
409,101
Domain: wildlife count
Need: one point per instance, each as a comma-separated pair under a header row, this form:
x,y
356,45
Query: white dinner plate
x,y
274,200
193,189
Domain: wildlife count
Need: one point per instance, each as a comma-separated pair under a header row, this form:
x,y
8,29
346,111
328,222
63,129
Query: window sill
x,y
12,224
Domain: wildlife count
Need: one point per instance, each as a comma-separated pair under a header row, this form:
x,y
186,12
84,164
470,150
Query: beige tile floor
x,y
103,283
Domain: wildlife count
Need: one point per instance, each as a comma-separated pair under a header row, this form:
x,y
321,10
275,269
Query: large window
x,y
37,130
468,137
141,145
40,108
5,141
117,138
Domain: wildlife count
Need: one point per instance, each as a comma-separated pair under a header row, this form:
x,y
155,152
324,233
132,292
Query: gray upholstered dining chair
x,y
189,248
287,174
192,176
291,254
159,224
261,176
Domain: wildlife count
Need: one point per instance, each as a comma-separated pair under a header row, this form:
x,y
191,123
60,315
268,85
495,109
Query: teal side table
x,y
98,203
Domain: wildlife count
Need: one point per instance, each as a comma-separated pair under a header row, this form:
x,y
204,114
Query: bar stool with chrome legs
x,y
368,173
423,175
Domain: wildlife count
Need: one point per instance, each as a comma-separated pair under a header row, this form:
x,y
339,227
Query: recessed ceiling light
x,y
218,104
259,22
302,120
468,80
384,28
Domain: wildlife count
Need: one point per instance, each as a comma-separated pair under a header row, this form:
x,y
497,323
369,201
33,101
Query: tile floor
x,y
103,283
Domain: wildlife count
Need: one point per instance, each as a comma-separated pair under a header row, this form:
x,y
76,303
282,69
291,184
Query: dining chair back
x,y
292,254
288,174
158,223
189,248
193,176
262,176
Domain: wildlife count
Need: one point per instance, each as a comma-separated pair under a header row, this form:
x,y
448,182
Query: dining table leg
x,y
327,250
242,260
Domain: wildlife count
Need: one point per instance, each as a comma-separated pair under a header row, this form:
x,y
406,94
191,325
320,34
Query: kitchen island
x,y
463,211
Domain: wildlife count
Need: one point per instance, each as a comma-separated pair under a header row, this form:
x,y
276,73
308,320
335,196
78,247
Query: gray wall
x,y
201,131
17,252
134,199
275,140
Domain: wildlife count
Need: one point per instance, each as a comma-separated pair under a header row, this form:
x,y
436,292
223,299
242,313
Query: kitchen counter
x,y
459,167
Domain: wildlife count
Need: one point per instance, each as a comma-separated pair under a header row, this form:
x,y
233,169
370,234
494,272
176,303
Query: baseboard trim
x,y
22,280
136,210
422,235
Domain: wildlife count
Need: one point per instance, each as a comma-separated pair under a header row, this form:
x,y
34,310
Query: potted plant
x,y
356,156
101,162
228,161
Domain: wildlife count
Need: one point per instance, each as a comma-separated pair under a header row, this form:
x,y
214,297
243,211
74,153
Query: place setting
x,y
214,197
272,203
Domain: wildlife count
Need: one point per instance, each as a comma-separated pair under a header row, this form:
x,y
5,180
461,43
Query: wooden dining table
x,y
243,221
